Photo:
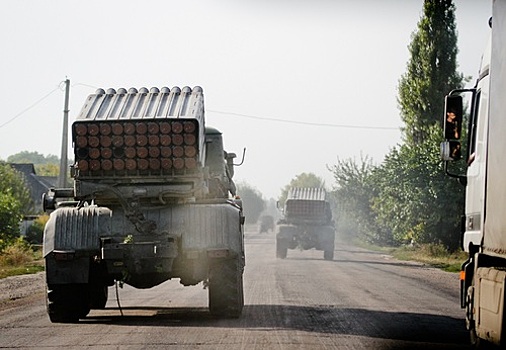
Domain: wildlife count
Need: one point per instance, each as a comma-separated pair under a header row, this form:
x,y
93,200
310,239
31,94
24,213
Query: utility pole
x,y
62,178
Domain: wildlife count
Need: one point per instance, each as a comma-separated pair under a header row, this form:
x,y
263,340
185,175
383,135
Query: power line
x,y
59,87
30,107
86,85
224,113
307,123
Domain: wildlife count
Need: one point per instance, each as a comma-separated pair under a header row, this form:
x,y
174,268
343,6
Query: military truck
x,y
266,224
153,199
307,223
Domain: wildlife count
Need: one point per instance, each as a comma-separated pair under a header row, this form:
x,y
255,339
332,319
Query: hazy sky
x,y
299,83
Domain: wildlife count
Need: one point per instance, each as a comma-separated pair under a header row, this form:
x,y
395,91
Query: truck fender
x,y
76,229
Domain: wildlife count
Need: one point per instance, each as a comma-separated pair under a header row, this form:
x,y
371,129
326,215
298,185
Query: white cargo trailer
x,y
483,275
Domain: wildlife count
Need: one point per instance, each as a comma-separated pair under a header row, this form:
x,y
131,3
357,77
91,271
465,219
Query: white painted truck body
x,y
483,276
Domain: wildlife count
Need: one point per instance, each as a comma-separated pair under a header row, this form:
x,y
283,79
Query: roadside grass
x,y
434,255
7,271
20,258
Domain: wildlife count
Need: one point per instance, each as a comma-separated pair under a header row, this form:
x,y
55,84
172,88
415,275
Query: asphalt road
x,y
360,300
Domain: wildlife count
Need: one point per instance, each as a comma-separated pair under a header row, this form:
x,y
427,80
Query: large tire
x,y
98,296
328,254
480,344
281,248
226,294
67,303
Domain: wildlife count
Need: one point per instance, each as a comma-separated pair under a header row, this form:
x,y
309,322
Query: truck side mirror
x,y
451,150
453,117
229,157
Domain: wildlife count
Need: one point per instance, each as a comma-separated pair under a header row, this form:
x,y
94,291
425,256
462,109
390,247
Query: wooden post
x,y
62,177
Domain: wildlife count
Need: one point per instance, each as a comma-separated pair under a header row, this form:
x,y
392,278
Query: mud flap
x,y
489,304
226,291
65,272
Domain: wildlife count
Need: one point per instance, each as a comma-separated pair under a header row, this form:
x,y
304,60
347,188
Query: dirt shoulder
x,y
17,287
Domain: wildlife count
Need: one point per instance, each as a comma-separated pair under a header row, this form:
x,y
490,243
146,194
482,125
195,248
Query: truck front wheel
x,y
328,254
480,344
281,248
226,295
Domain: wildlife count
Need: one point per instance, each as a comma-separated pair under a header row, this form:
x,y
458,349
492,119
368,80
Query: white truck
x,y
483,275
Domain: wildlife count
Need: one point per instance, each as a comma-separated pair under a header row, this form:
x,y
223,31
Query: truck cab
x,y
476,148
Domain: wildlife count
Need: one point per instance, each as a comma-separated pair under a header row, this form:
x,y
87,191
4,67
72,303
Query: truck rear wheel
x,y
480,344
281,248
328,254
98,296
226,295
67,303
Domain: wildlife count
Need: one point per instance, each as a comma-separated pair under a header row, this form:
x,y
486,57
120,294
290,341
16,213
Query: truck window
x,y
473,122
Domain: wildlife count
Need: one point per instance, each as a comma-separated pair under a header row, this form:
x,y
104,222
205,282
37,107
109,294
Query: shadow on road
x,y
409,327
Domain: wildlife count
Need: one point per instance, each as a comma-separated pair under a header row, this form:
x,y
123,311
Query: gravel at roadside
x,y
16,287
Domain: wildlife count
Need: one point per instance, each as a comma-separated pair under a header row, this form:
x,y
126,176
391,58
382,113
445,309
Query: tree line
x,y
407,198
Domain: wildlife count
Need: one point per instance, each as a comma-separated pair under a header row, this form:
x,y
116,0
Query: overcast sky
x,y
299,83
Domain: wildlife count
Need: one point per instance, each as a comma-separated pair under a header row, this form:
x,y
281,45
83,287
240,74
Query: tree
x,y
35,232
272,209
44,165
49,169
354,194
252,201
10,217
14,201
408,197
301,180
13,183
415,200
431,70
33,158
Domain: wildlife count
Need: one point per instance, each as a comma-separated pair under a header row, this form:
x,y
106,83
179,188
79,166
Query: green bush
x,y
434,250
10,217
17,253
35,232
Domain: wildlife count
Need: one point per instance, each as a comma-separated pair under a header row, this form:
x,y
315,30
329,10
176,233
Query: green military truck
x,y
153,199
307,223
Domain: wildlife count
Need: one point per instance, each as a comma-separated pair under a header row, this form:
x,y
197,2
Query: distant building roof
x,y
35,183
49,181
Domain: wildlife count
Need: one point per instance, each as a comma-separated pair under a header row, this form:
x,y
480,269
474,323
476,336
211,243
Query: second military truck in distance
x,y
307,223
153,199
